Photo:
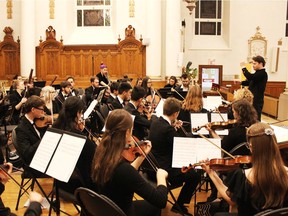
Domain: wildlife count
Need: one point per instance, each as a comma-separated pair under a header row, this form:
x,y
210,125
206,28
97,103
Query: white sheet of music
x,y
215,117
198,120
90,109
211,102
159,108
280,133
188,150
45,151
66,157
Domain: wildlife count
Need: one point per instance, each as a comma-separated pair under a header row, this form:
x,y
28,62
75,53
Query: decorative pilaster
x,y
27,37
9,9
131,8
51,9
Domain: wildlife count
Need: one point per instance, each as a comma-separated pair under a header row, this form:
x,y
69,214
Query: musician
x,y
147,85
74,91
256,82
70,119
92,91
103,75
141,122
17,99
193,103
5,211
162,133
172,83
117,179
139,81
243,93
28,136
245,115
48,94
254,190
64,93
114,92
185,83
124,95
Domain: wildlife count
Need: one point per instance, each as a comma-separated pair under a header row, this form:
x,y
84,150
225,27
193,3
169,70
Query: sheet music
x,y
58,153
159,108
198,120
90,109
280,133
45,151
215,117
211,102
66,157
191,150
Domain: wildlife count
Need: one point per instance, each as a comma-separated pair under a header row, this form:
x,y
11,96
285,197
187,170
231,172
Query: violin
x,y
222,164
222,125
134,150
44,121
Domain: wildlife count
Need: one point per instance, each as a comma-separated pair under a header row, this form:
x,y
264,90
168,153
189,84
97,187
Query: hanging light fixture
x,y
191,5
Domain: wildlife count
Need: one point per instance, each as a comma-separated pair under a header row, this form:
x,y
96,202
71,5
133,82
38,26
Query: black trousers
x,y
143,208
190,179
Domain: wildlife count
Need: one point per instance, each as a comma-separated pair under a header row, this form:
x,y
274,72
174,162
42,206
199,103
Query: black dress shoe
x,y
181,210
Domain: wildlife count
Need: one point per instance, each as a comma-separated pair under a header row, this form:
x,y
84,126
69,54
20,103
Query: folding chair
x,y
94,204
275,212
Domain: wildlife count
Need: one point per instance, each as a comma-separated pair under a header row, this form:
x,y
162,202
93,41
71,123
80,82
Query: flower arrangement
x,y
191,72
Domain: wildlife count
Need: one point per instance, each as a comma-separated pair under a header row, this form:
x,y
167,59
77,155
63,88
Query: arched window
x,y
93,13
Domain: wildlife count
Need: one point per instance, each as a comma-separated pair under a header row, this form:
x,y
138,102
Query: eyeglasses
x,y
42,109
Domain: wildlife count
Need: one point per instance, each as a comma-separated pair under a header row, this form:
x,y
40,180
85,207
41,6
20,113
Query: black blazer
x,y
117,104
27,140
141,123
91,93
162,135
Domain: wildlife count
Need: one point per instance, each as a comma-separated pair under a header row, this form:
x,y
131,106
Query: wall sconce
x,y
191,5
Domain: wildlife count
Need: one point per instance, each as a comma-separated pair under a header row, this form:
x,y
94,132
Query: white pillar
x,y
173,37
153,39
27,39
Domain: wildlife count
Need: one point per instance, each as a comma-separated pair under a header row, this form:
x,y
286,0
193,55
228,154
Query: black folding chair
x,y
94,204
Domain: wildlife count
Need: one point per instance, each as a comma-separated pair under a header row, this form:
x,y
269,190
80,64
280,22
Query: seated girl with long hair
x,y
117,179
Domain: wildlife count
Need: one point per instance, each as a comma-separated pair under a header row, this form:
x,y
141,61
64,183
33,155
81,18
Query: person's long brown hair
x,y
193,101
270,179
246,112
109,152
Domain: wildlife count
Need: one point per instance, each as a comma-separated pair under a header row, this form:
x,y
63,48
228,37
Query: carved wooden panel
x,y
9,55
128,57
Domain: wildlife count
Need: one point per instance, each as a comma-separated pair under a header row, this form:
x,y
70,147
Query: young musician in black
x,y
162,133
117,179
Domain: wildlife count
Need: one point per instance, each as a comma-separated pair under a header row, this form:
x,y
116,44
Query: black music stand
x,y
182,93
6,112
165,92
39,84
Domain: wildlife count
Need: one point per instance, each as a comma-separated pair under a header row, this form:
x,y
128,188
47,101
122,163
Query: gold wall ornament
x,y
51,9
131,8
257,45
9,9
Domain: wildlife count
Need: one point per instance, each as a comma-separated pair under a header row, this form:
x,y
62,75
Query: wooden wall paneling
x,y
128,57
9,55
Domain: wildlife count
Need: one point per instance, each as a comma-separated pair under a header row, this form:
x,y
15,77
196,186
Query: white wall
x,y
241,19
245,16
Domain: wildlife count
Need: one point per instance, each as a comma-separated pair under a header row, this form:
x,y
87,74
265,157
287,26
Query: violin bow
x,y
217,110
223,150
174,90
10,176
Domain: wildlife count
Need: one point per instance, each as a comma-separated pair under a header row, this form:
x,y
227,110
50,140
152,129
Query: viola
x,y
43,121
221,125
222,164
134,150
